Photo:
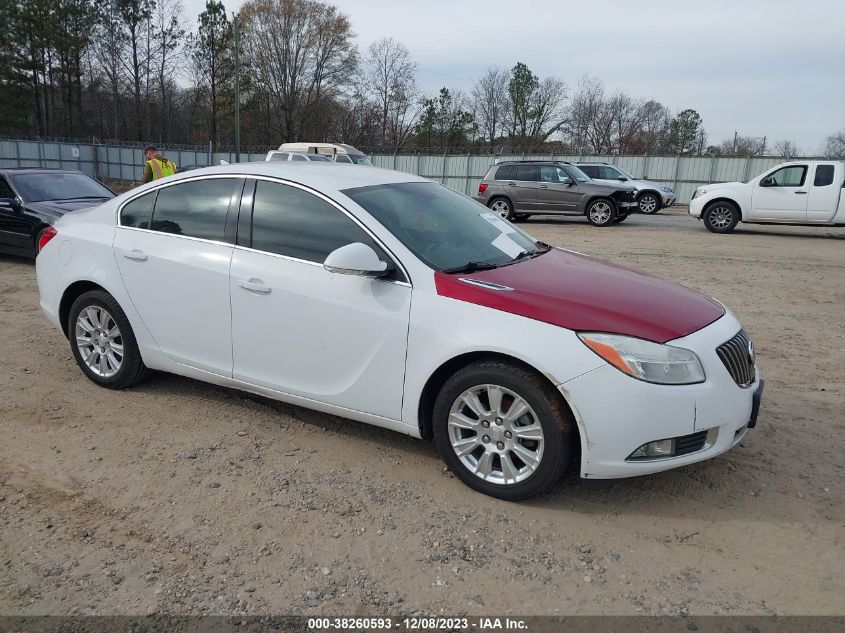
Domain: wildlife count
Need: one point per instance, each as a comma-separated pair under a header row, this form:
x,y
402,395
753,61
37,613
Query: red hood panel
x,y
582,293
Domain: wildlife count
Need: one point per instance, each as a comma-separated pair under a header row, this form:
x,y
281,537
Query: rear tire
x,y
102,341
721,217
502,207
601,212
649,203
515,458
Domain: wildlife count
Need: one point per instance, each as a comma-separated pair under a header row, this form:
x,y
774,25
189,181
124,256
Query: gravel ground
x,y
181,497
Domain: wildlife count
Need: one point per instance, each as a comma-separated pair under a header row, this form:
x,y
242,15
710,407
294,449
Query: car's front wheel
x,y
102,341
721,217
503,430
649,203
601,212
502,207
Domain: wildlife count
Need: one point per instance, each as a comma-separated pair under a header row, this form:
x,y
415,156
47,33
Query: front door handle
x,y
135,255
254,285
511,184
544,186
804,192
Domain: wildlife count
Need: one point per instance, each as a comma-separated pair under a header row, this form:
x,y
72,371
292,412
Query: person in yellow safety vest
x,y
156,165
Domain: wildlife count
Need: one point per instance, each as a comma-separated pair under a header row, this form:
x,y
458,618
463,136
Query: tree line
x,y
138,70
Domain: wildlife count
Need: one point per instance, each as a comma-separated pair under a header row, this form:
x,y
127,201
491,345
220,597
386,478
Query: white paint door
x,y
781,195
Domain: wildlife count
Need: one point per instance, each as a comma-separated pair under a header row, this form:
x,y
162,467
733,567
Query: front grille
x,y
690,443
738,357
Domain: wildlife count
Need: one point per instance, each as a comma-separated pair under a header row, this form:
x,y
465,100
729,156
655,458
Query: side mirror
x,y
10,203
623,178
356,259
567,182
768,181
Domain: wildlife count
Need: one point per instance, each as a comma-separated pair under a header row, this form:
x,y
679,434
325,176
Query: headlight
x,y
698,192
651,362
666,189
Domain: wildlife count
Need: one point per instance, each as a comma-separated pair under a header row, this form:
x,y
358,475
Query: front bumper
x,y
696,206
668,198
616,414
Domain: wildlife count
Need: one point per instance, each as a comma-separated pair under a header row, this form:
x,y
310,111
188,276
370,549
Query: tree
x,y
167,36
687,133
213,63
489,102
743,145
134,19
787,149
301,54
446,120
535,108
390,78
835,145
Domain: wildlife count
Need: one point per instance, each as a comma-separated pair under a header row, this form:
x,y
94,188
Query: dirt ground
x,y
181,497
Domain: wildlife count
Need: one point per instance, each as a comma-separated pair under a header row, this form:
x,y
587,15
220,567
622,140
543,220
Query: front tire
x,y
601,212
502,207
649,203
102,341
503,430
721,217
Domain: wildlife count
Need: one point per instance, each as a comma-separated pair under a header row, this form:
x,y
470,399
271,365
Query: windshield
x,y
359,159
444,229
625,173
576,173
41,186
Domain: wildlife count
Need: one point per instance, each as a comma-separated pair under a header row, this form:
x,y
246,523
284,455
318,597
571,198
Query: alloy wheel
x,y
720,217
99,341
501,208
600,213
496,434
648,204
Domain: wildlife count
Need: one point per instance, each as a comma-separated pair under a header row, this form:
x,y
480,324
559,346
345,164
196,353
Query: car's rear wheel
x,y
601,212
721,217
649,203
102,341
502,207
503,430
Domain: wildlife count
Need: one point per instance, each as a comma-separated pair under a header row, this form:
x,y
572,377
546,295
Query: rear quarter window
x,y
138,213
824,176
506,172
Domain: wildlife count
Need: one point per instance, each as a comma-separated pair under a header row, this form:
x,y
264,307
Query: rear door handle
x,y
135,255
544,186
254,285
804,192
511,184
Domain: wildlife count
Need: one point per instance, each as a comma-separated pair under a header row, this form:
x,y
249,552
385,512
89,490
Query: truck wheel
x,y
601,212
721,217
649,203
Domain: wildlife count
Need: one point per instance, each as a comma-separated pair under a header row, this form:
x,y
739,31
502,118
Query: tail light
x,y
482,188
46,235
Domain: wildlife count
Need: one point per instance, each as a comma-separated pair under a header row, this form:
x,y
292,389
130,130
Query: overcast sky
x,y
774,68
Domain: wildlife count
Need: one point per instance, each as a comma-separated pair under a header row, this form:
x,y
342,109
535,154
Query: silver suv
x,y
517,190
651,196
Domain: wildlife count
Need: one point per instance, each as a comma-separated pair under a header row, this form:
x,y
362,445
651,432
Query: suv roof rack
x,y
534,160
592,162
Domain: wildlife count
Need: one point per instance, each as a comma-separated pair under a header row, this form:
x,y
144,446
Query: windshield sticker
x,y
507,245
498,222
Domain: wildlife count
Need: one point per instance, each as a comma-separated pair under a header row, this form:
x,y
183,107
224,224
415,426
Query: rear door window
x,y
342,159
528,172
138,213
591,170
194,209
824,176
297,157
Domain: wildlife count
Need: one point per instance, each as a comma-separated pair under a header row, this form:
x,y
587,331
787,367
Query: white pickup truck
x,y
805,192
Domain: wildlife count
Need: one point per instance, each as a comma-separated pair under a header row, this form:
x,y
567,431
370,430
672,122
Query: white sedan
x,y
388,299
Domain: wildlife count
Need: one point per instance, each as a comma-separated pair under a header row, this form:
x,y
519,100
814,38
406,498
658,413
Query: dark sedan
x,y
31,199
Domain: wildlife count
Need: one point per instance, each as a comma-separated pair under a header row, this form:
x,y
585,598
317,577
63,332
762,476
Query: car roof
x,y
46,170
320,175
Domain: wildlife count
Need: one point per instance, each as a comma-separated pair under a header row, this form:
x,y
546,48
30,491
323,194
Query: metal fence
x,y
461,172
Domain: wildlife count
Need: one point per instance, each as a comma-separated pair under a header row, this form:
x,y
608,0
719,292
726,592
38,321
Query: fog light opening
x,y
660,448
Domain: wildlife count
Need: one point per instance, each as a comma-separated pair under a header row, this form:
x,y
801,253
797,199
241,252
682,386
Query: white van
x,y
338,152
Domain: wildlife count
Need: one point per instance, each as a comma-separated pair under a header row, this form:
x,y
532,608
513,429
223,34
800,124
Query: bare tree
x,y
489,102
301,52
168,34
787,149
389,75
834,146
743,145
